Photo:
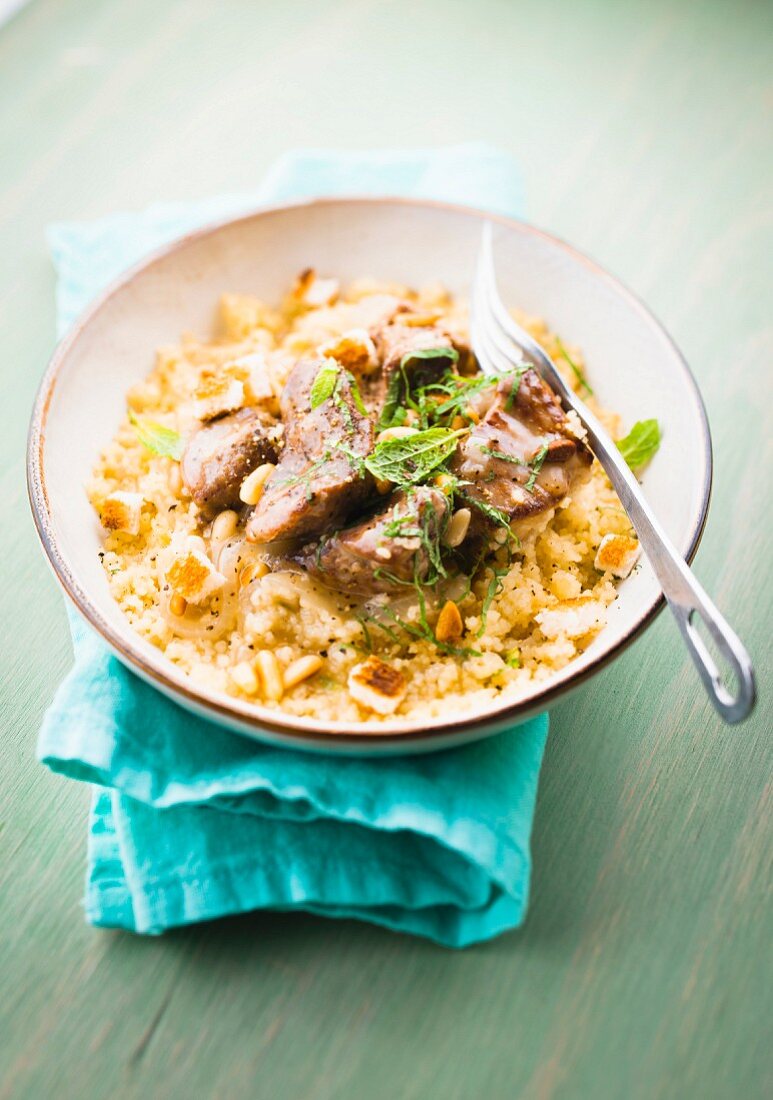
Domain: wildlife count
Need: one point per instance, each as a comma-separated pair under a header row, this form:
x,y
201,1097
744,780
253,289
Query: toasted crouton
x,y
193,576
122,512
376,685
617,554
572,618
260,387
353,349
219,392
310,291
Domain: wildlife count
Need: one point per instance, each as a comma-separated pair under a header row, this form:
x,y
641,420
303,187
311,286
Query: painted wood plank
x,y
644,133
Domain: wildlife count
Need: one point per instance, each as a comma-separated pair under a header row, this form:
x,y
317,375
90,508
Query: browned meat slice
x,y
220,455
395,344
319,480
395,341
521,458
385,551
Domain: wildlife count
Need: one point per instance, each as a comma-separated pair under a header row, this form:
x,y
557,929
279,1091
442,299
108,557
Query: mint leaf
x,y
429,353
391,408
536,466
157,438
359,404
324,384
409,461
496,515
641,443
398,391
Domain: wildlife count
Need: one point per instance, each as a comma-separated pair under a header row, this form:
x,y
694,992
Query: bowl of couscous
x,y
269,472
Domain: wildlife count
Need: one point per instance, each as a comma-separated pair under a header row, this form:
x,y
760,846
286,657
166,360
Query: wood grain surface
x,y
644,131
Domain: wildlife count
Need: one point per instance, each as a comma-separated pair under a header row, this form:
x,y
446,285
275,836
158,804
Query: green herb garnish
x,y
536,466
422,631
327,683
519,373
359,404
496,515
513,659
503,457
495,586
324,384
578,374
429,353
410,461
346,413
327,386
399,388
641,443
461,390
388,415
157,438
356,460
305,478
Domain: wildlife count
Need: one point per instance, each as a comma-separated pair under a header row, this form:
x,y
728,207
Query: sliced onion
x,y
219,616
211,622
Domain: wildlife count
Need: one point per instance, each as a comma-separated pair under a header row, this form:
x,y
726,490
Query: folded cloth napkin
x,y
189,821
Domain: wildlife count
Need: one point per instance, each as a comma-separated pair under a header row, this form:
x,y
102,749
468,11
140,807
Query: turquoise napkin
x,y
190,822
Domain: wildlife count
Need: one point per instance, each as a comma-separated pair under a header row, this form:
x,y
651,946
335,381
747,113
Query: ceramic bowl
x,y
635,367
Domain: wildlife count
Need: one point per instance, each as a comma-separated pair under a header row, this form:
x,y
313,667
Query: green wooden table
x,y
645,138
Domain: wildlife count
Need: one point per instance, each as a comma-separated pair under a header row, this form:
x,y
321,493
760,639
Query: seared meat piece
x,y
219,456
393,343
385,551
397,340
317,484
521,458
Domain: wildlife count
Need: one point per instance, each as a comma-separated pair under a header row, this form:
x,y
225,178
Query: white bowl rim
x,y
291,730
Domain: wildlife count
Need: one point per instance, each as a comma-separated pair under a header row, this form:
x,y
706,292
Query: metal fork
x,y
497,339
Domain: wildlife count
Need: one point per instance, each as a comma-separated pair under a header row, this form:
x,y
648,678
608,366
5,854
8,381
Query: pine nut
x,y
471,414
411,417
270,675
444,482
178,605
243,675
449,625
253,571
176,479
224,525
301,670
419,320
458,525
395,433
252,487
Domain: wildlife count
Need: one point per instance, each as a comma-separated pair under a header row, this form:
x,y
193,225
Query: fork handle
x,y
686,596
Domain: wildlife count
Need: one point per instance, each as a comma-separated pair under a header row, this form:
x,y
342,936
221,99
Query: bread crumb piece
x,y
376,685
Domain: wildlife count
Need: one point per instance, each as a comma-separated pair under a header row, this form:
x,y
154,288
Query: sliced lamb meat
x,y
522,457
395,343
383,552
397,340
219,456
319,480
